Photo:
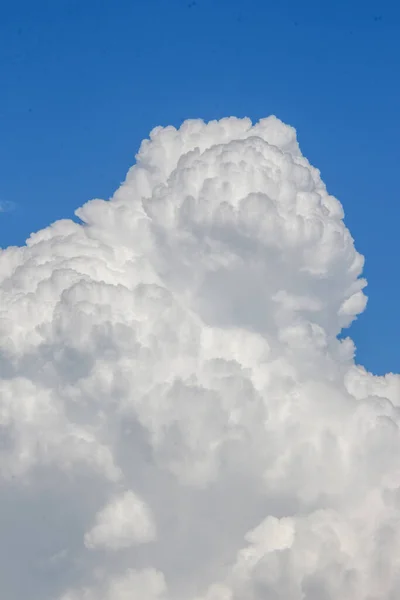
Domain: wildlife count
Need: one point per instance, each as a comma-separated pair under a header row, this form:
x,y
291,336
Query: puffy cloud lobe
x,y
178,419
125,521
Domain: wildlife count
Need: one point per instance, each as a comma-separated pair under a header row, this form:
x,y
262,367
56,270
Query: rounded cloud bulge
x,y
178,417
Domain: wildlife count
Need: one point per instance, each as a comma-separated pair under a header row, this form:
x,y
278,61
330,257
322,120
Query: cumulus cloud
x,y
178,417
123,522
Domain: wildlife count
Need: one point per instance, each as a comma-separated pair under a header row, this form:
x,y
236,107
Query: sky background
x,y
83,82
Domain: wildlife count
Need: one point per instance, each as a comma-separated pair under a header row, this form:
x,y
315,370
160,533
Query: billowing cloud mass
x,y
123,522
178,418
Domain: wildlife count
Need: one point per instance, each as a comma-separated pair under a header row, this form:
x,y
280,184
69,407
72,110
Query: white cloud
x,y
123,522
182,343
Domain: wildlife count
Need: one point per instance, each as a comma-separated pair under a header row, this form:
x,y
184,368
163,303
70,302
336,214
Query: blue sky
x,y
84,81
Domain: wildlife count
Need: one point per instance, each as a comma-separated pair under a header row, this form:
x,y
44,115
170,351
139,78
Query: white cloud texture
x,y
123,522
178,419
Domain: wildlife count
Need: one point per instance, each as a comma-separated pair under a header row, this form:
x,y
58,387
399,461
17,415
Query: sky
x,y
84,82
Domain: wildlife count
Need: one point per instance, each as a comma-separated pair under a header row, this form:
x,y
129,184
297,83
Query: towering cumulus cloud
x,y
178,418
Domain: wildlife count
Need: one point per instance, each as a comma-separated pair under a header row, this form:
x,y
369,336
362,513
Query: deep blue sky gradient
x,y
84,81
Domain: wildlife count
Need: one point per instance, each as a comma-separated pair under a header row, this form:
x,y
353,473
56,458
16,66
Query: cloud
x,y
178,418
6,206
147,584
123,522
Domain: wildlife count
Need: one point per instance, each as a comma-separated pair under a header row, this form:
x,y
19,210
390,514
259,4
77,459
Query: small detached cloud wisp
x,y
6,206
178,418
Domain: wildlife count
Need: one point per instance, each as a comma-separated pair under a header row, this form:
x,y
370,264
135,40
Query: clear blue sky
x,y
83,81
